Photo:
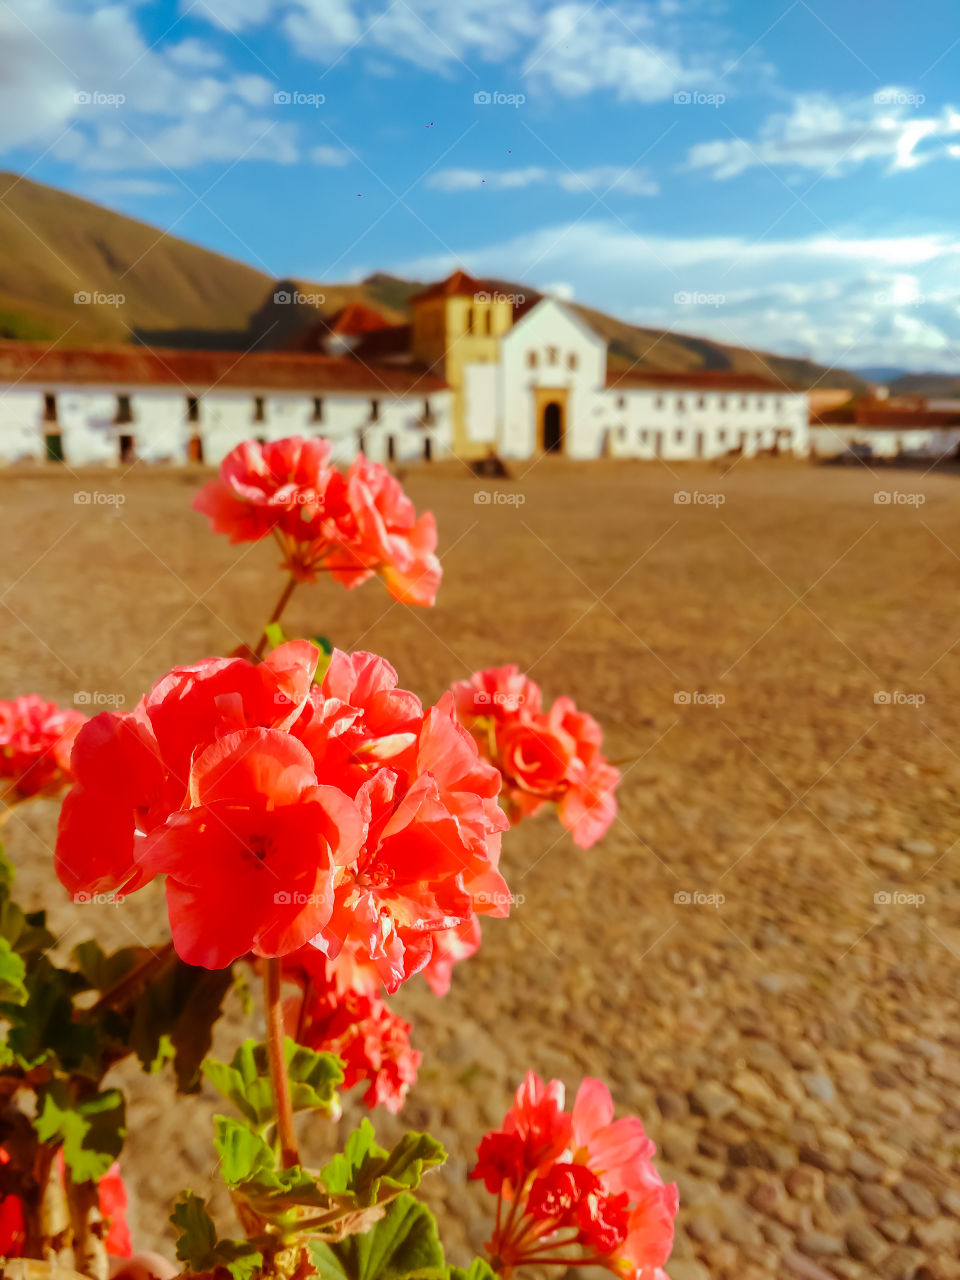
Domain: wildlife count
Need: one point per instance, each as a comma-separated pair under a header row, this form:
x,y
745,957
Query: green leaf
x,y
45,1024
176,1015
246,1080
249,1166
326,653
403,1244
7,874
274,633
198,1246
479,1269
12,973
373,1175
102,971
92,1131
243,1152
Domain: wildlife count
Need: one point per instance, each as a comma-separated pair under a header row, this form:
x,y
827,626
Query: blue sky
x,y
771,173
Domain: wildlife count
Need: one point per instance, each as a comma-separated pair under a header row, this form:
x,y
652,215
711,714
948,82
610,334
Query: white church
x,y
472,375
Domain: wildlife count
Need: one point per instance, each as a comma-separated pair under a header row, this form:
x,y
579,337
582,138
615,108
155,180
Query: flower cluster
x,y
36,738
113,1211
285,813
351,525
576,1181
544,756
372,1042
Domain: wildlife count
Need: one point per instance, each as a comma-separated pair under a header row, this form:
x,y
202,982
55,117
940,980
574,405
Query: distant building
x,y
885,426
476,372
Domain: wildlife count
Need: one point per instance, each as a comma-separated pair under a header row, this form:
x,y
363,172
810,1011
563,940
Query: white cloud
x,y
586,47
88,85
848,299
573,47
333,156
600,181
835,135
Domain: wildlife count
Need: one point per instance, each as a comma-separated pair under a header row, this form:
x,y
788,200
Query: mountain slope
x,y
175,294
54,245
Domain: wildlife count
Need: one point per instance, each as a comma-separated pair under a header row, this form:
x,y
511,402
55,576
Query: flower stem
x,y
278,609
289,1155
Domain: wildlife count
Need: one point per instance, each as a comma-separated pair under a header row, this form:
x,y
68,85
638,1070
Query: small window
x,y
722,402
681,403
427,411
621,402
374,410
743,440
721,435
488,321
553,355
532,359
659,402
623,433
678,436
701,402
193,409
391,449
259,412
49,407
124,412
572,360
778,405
760,402
744,402
318,408
469,319
643,436
759,437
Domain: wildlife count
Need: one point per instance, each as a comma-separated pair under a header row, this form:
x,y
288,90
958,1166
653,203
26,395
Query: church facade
x,y
474,374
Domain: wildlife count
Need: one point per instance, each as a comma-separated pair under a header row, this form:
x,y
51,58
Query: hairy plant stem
x,y
278,609
289,1155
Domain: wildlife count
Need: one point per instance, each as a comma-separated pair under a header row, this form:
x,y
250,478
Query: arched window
x,y
532,359
572,360
469,319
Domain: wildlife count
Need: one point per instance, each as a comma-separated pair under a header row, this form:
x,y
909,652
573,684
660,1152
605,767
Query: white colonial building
x,y
472,374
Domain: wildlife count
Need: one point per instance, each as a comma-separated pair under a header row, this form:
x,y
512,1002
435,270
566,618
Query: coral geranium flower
x,y
250,865
36,738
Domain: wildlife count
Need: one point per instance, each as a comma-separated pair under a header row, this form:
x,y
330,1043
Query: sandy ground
x,y
780,672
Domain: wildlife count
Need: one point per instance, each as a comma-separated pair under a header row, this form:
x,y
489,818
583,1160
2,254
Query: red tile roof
x,y
695,380
458,285
356,318
888,419
33,363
